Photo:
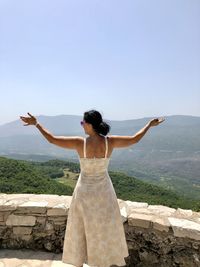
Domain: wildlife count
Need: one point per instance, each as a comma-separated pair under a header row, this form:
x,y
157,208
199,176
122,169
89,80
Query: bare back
x,y
95,147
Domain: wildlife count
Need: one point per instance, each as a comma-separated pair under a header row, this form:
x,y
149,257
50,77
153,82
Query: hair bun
x,y
104,128
95,118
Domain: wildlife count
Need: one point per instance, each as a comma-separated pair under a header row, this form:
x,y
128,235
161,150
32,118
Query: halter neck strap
x,y
106,140
84,148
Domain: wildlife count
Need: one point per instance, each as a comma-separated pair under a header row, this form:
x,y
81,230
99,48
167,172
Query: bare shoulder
x,y
120,140
72,142
79,140
113,138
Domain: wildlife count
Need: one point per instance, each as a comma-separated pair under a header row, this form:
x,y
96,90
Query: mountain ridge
x,y
55,123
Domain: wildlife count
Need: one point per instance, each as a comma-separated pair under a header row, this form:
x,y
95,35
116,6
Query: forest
x,y
60,177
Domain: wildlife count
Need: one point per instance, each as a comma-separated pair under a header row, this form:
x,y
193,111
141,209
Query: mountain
x,y
59,124
168,155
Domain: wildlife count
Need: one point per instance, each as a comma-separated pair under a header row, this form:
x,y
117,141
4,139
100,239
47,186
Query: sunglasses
x,y
82,122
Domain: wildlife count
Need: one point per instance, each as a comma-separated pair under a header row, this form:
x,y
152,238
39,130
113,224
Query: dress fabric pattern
x,y
94,231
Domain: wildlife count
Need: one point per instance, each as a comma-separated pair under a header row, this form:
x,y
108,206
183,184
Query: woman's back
x,y
94,166
95,148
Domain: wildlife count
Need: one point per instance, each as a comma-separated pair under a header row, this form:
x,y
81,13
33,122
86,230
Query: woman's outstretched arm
x,y
62,141
124,141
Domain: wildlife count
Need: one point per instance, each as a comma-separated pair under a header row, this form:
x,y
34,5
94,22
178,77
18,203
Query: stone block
x,y
185,228
2,202
48,226
140,220
161,210
58,210
2,229
1,217
161,224
39,234
7,207
56,220
41,220
142,211
133,204
124,214
22,230
20,220
32,207
183,213
26,237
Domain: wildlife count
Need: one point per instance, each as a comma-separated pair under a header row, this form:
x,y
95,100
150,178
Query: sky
x,y
127,59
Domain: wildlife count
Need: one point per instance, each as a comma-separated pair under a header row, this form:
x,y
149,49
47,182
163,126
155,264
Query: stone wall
x,y
156,235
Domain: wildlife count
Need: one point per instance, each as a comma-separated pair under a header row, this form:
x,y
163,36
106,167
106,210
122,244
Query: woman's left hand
x,y
156,122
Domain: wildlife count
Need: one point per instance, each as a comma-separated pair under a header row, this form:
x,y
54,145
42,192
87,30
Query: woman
x,y
94,231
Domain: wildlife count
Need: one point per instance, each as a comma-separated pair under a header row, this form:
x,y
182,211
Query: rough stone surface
x,y
157,236
141,220
22,230
20,220
185,228
161,224
31,258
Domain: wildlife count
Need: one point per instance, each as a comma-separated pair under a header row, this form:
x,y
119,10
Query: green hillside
x,y
18,176
60,177
130,188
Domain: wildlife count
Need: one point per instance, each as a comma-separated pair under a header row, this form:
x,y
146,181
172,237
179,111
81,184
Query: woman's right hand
x,y
29,120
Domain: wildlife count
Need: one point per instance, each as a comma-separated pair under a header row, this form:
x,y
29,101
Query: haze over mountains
x,y
168,155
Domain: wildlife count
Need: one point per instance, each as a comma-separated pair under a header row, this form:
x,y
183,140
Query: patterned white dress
x,y
94,232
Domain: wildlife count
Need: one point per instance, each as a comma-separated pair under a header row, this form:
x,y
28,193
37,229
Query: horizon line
x,y
107,119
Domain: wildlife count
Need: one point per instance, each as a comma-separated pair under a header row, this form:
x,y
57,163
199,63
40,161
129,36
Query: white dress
x,y
94,232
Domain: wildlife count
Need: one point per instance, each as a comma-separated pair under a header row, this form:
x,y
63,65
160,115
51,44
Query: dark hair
x,y
94,117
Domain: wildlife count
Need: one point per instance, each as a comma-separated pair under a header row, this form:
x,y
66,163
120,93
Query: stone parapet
x,y
156,235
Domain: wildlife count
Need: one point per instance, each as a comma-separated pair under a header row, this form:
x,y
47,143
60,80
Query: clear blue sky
x,y
127,59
